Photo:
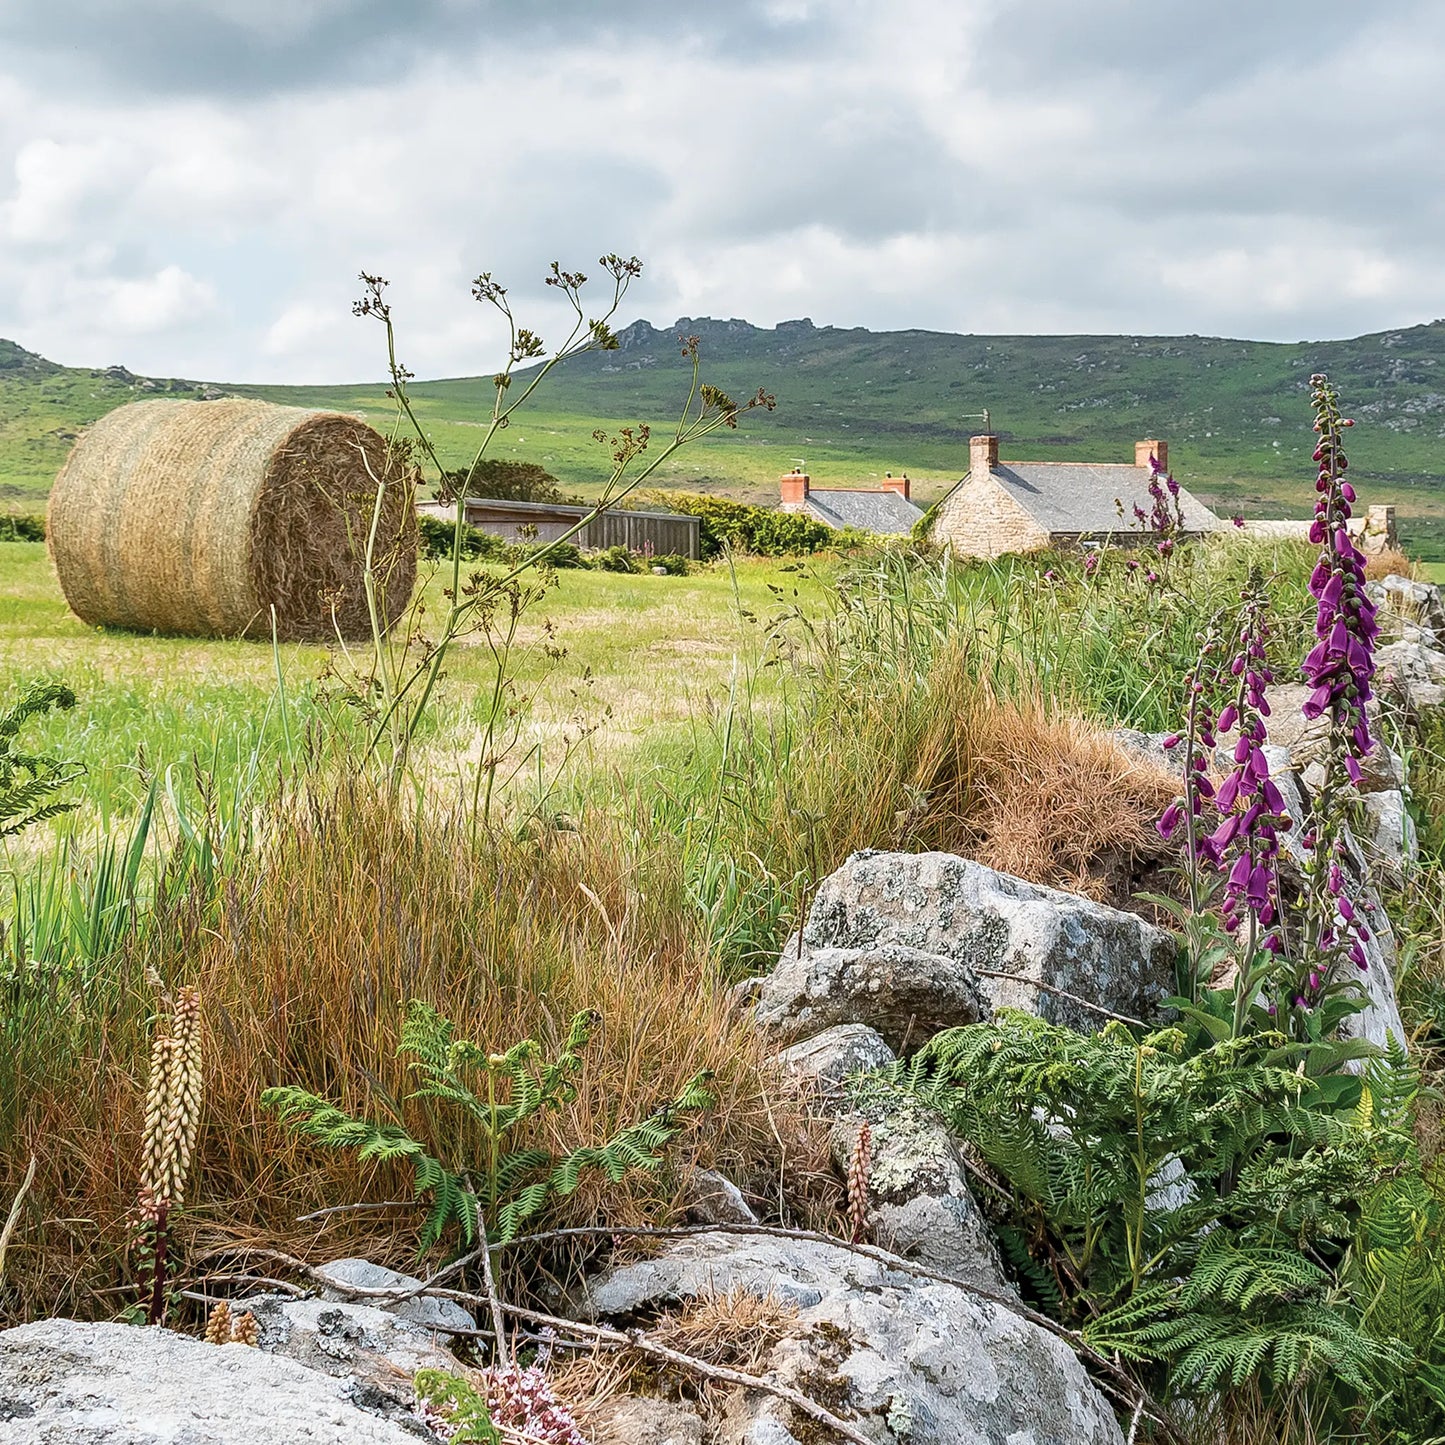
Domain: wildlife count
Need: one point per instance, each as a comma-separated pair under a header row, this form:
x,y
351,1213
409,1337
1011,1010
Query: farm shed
x,y
658,534
1004,507
211,518
887,509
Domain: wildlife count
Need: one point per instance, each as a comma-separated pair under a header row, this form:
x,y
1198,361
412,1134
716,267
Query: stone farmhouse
x,y
1004,507
887,509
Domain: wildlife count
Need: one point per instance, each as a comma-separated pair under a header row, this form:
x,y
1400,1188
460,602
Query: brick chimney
x,y
982,455
896,484
1157,449
793,488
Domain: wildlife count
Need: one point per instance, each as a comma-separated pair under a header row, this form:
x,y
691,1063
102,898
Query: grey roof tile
x,y
885,512
1086,497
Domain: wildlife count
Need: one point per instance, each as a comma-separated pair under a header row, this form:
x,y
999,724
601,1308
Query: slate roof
x,y
885,512
1083,496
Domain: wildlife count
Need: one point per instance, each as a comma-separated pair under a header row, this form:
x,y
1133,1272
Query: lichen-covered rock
x,y
823,1064
362,1274
1415,672
910,1360
905,994
919,1202
66,1383
953,908
376,1349
1305,742
1380,1020
1402,602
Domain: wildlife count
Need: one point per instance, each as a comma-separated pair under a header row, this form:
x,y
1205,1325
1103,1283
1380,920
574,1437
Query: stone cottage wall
x,y
980,519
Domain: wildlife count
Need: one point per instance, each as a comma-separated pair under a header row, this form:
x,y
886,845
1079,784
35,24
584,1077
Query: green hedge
x,y
18,528
762,531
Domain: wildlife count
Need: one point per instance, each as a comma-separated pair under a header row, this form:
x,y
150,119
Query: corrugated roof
x,y
886,512
1085,497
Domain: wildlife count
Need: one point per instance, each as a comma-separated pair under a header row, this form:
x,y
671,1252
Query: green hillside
x,y
854,403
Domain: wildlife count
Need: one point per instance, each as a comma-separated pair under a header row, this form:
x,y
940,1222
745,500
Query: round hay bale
x,y
199,517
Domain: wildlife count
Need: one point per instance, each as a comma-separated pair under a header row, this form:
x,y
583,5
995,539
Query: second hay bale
x,y
199,517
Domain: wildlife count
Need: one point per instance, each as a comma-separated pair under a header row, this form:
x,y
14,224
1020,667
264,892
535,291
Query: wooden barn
x,y
657,534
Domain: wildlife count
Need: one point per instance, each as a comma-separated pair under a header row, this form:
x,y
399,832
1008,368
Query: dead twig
x,y
1124,1386
354,1209
638,1340
1064,994
1125,1383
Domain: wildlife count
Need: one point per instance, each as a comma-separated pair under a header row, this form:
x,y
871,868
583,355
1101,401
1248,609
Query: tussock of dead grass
x,y
941,762
353,908
736,1329
1053,800
1391,562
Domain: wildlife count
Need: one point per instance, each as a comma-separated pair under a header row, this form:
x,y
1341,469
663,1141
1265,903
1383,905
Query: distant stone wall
x,y
1373,533
980,519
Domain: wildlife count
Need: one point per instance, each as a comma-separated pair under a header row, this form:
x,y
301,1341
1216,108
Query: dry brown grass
x,y
353,908
945,764
1244,1417
1379,565
1050,799
736,1329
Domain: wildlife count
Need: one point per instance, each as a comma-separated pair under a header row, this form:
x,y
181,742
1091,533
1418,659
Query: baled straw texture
x,y
199,517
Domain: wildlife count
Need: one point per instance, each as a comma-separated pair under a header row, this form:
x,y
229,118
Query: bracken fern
x,y
508,1186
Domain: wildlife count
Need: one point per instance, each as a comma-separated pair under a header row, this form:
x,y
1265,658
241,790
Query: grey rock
x,y
362,1274
768,1432
1415,672
919,1361
1388,835
1170,1187
642,1420
1306,740
1380,1020
710,1198
919,1202
1148,748
377,1349
1402,602
905,994
954,908
66,1383
823,1064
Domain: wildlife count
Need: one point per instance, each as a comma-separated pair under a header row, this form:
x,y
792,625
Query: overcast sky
x,y
190,186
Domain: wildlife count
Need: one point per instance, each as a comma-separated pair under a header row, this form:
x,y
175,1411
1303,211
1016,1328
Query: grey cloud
x,y
1178,48
238,49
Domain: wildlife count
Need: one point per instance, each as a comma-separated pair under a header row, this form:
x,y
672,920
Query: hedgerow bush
x,y
22,528
760,531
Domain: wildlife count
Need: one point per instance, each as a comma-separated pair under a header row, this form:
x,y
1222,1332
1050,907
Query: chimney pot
x,y
1151,447
793,488
982,454
901,485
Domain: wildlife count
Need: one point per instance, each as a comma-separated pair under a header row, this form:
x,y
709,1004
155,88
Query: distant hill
x,y
853,403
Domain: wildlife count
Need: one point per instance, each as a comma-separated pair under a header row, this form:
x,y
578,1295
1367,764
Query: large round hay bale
x,y
200,517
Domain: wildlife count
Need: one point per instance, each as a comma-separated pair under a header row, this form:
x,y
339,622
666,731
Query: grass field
x,y
639,655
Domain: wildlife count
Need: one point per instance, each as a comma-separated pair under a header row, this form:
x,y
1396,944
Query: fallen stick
x,y
1063,993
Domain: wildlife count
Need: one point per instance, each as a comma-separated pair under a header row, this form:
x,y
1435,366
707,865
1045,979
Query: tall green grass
x,y
873,721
